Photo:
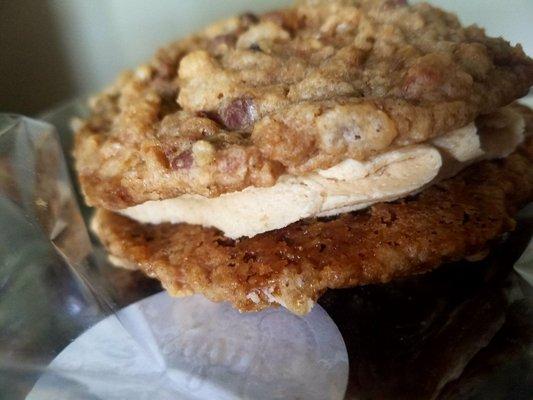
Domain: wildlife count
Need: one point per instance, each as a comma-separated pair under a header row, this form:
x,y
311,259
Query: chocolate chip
x,y
183,160
239,114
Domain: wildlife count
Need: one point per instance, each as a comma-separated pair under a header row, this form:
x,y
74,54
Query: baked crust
x,y
448,221
253,97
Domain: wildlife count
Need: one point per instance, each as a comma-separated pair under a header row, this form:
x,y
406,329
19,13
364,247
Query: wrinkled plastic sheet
x,y
72,327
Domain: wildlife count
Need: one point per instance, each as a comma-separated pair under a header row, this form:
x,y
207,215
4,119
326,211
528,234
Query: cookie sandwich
x,y
271,157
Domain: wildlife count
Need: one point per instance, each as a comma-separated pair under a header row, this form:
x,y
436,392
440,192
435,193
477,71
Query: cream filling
x,y
348,186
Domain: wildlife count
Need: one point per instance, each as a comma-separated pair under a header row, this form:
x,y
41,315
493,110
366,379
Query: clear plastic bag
x,y
45,299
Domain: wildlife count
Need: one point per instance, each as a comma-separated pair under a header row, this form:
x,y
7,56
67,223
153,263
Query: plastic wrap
x,y
72,327
54,289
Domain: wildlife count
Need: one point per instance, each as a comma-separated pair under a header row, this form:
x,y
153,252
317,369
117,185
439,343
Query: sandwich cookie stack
x,y
333,144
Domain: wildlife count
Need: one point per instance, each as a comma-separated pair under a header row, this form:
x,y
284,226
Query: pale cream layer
x,y
348,186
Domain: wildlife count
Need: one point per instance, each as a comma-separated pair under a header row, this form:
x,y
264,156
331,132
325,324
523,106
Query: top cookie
x,y
290,91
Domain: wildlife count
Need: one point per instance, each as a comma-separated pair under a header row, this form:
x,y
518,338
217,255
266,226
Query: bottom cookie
x,y
455,219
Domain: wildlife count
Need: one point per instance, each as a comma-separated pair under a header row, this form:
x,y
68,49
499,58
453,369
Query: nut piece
x,y
203,152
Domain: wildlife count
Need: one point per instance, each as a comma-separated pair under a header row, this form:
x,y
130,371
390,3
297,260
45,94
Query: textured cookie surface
x,y
293,266
254,97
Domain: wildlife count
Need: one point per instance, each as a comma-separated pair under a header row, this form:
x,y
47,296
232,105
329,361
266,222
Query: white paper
x,y
191,348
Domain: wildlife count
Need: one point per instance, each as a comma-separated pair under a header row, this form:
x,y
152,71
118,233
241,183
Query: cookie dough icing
x,y
348,186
